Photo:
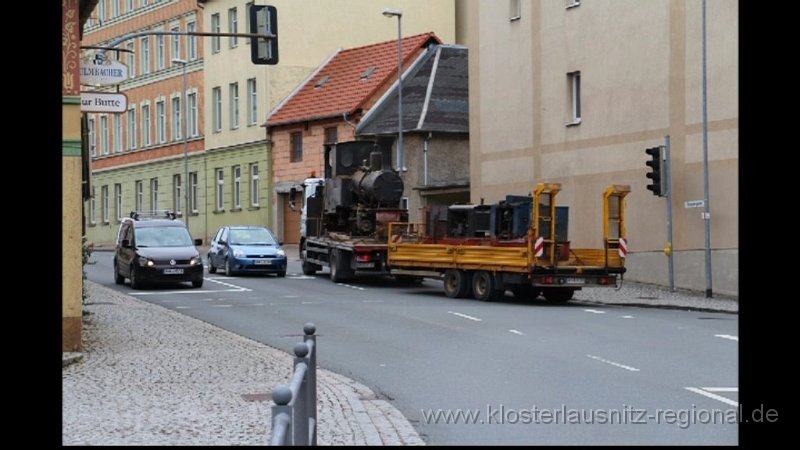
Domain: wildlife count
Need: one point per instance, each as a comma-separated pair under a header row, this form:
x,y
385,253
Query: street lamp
x,y
388,12
185,140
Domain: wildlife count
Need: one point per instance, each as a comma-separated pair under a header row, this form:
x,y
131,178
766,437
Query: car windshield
x,y
163,237
251,236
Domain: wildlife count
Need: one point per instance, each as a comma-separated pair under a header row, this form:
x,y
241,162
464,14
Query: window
x,y
104,134
146,125
193,192
176,118
404,203
574,86
216,104
92,208
220,189
237,186
128,5
192,27
254,184
92,141
101,13
145,49
233,90
233,27
139,195
114,8
176,42
247,7
118,201
131,46
160,51
331,135
145,2
573,3
104,203
161,121
153,194
132,129
513,10
117,133
193,131
297,147
177,193
252,102
215,29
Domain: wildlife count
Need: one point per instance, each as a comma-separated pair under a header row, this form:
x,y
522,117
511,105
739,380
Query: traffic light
x,y
264,21
657,185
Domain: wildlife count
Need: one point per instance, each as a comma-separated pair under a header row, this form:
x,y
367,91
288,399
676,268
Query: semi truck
x,y
345,215
518,244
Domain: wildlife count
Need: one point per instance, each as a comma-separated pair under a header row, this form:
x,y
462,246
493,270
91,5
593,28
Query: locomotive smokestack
x,y
385,146
375,161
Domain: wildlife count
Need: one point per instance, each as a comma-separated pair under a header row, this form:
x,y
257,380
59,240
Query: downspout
x,y
344,117
425,158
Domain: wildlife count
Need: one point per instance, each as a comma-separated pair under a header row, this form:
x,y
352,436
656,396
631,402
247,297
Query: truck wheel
x,y
525,292
338,271
484,287
457,283
308,268
558,295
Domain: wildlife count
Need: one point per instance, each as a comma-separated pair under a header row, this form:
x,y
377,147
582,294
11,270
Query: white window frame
x,y
233,27
104,144
219,179
144,49
161,120
192,44
117,133
161,50
252,102
131,58
114,8
153,194
175,50
139,195
236,173
194,129
146,125
247,20
118,201
193,192
215,28
92,137
132,130
254,194
93,207
101,14
574,88
104,203
216,111
129,5
233,94
177,193
177,112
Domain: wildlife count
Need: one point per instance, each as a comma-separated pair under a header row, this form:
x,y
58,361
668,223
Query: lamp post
x,y
401,162
185,141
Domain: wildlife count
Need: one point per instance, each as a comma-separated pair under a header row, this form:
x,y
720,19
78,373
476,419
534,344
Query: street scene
x,y
459,222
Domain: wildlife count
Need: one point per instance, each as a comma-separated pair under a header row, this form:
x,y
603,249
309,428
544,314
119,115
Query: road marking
x,y
713,396
310,303
465,316
182,307
351,286
626,317
244,289
301,277
221,306
727,336
289,296
615,364
516,332
720,389
594,311
372,301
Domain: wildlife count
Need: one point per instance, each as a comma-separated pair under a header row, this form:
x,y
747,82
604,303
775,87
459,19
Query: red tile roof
x,y
346,91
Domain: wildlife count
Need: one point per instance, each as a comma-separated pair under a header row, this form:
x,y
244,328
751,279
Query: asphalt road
x,y
509,372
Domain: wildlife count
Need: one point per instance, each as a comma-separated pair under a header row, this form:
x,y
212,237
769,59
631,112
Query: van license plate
x,y
263,262
173,271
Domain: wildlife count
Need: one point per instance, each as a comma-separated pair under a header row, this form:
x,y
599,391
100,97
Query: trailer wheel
x,y
558,295
484,287
308,268
525,292
338,270
457,283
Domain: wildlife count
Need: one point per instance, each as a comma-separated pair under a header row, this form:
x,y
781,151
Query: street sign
x,y
694,204
101,71
103,102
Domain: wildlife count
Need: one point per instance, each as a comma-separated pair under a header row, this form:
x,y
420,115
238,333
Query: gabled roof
x,y
347,81
435,96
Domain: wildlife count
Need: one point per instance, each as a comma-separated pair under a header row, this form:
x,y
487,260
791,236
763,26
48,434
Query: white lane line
x,y
188,291
464,316
594,311
182,307
351,286
516,332
626,317
720,389
221,306
301,277
229,285
310,303
289,296
372,301
713,396
615,364
727,336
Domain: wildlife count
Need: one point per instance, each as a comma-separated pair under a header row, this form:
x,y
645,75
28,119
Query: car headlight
x,y
146,262
238,253
281,252
195,261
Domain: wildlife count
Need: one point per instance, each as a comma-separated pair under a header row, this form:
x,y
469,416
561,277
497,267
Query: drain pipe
x,y
425,158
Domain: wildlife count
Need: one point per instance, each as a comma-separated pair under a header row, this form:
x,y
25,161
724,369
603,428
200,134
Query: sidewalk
x,y
151,376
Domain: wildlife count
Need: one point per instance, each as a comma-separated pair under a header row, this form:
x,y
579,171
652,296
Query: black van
x,y
152,250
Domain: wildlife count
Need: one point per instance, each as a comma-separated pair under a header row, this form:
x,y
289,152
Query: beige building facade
x,y
574,92
309,32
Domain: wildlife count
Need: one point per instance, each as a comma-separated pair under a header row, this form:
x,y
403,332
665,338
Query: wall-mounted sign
x,y
103,102
102,71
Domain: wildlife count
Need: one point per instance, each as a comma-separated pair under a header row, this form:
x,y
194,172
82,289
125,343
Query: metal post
x,y
281,416
401,163
300,401
707,206
668,175
311,399
185,142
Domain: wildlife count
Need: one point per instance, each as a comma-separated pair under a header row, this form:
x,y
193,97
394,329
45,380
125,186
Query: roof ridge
x,y
391,41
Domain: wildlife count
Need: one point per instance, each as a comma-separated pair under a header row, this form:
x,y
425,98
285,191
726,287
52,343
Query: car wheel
x,y
211,268
282,274
118,279
135,283
197,283
228,270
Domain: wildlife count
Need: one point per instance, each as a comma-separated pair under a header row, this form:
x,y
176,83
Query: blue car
x,y
252,249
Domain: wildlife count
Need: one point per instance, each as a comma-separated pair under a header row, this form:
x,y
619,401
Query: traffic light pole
x,y
668,195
